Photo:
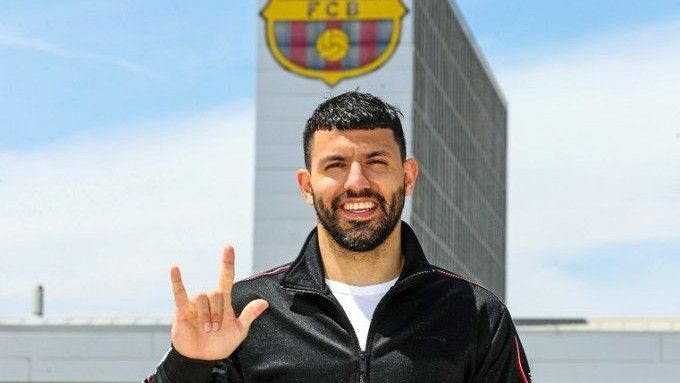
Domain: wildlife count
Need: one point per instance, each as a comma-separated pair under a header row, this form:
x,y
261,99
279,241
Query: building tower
x,y
419,56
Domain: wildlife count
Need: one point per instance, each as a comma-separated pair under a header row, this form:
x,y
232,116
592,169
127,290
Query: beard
x,y
360,236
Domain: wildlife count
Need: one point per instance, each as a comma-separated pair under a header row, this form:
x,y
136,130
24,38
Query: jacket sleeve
x,y
504,359
176,368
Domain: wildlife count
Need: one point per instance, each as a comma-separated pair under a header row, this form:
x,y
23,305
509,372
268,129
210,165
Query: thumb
x,y
251,312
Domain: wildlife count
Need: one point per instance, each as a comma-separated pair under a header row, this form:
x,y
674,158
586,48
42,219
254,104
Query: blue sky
x,y
88,65
509,30
115,116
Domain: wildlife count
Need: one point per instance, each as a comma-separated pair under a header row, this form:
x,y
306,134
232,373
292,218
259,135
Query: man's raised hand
x,y
205,326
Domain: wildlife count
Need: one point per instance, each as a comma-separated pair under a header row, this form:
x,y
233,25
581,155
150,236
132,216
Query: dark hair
x,y
350,111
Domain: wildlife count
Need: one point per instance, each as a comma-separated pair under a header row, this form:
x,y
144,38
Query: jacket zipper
x,y
363,366
363,356
380,307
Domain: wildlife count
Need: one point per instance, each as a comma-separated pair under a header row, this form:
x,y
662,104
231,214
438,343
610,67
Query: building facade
x,y
418,56
122,350
459,138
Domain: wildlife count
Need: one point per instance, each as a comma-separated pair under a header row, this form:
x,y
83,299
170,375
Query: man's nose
x,y
356,180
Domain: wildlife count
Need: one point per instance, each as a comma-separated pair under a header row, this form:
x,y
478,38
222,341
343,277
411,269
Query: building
x,y
419,56
127,349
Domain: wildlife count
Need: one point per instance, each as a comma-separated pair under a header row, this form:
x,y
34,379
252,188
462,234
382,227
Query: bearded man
x,y
360,303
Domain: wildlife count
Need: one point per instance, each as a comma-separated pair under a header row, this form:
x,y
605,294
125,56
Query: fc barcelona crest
x,y
333,39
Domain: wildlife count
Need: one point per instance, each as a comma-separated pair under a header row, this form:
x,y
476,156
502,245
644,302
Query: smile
x,y
358,207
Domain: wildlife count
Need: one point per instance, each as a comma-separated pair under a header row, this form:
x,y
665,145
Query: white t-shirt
x,y
359,303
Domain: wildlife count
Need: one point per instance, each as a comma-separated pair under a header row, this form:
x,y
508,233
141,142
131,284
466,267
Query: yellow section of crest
x,y
332,44
323,10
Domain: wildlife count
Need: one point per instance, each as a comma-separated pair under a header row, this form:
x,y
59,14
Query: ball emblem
x,y
332,44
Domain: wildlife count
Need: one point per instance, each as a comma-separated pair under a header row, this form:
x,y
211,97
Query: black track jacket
x,y
432,326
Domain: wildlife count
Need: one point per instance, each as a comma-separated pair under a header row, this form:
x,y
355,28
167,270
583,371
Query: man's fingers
x,y
203,306
216,302
251,312
227,273
178,290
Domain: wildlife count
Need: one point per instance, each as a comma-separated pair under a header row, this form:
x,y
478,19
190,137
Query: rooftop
x,y
526,324
599,324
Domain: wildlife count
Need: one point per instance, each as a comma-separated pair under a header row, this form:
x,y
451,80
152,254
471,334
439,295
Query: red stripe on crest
x,y
298,42
368,33
333,65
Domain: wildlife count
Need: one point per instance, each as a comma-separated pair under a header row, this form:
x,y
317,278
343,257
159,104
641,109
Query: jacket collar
x,y
306,272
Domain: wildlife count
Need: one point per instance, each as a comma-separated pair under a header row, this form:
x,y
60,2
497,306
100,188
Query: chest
x,y
308,338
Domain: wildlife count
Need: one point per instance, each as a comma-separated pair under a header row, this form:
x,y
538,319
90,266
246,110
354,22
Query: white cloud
x,y
21,42
99,219
594,160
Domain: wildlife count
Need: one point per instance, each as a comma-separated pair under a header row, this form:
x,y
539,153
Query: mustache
x,y
366,193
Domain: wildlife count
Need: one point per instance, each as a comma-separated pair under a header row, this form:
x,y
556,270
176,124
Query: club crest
x,y
332,39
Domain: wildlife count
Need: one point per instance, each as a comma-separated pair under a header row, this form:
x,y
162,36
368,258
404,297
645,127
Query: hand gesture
x,y
205,326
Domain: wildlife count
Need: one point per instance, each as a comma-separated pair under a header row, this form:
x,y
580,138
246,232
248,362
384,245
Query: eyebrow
x,y
378,153
333,157
338,157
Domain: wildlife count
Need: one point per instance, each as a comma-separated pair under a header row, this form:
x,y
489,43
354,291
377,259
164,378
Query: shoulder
x,y
260,285
488,313
271,276
483,298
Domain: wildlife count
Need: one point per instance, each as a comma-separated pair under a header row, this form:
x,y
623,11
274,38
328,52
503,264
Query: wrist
x,y
179,368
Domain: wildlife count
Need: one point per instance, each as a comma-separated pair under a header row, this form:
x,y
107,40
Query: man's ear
x,y
304,180
410,174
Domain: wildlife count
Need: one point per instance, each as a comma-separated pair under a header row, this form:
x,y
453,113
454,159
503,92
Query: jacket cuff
x,y
178,368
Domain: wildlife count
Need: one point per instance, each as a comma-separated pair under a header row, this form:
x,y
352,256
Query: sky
x,y
127,141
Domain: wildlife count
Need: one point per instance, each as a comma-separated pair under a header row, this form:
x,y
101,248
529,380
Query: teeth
x,y
355,206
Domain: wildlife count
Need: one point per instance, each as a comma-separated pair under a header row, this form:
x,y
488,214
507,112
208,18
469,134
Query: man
x,y
360,303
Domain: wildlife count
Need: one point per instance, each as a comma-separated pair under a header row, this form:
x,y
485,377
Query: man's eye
x,y
334,165
378,162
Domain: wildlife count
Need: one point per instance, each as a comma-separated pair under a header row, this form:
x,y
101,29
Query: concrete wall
x,y
81,352
603,357
129,350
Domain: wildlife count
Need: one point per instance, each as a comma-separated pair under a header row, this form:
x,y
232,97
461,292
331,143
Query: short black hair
x,y
351,111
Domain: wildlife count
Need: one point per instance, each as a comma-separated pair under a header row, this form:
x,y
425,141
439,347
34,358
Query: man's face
x,y
357,185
